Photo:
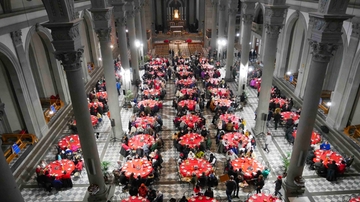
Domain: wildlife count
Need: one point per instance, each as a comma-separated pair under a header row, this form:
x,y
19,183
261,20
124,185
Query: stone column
x,y
248,10
9,190
102,27
28,99
66,40
214,25
143,28
130,14
344,95
137,8
324,40
119,14
233,7
222,18
273,23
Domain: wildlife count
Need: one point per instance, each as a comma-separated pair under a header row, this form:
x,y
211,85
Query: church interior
x,y
287,69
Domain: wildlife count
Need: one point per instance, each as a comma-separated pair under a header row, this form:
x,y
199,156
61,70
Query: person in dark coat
x,y
259,183
332,171
203,180
277,118
209,193
278,184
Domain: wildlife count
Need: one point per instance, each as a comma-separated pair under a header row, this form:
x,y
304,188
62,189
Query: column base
x,y
229,79
99,197
293,190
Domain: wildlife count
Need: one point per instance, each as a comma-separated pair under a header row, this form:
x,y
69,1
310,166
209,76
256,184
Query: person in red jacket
x,y
342,167
143,190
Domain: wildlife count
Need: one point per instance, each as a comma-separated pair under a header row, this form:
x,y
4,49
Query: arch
x,y
296,17
172,1
86,15
259,10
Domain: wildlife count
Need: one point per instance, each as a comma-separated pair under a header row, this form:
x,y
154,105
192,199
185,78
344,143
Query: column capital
x,y
16,37
248,7
273,31
121,21
333,6
233,7
101,17
322,52
70,60
103,33
248,18
129,9
274,18
222,5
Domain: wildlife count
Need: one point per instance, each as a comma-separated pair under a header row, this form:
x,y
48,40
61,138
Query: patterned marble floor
x,y
317,189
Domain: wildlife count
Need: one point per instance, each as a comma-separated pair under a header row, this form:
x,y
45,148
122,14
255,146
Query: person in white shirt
x,y
248,146
230,155
191,155
267,142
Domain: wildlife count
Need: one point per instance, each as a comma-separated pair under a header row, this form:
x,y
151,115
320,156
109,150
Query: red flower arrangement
x,y
188,40
166,41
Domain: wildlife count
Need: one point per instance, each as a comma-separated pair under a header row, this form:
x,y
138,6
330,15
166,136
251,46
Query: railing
x,y
257,28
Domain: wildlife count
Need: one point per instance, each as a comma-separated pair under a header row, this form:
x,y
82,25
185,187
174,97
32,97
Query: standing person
x,y
259,183
230,187
277,118
118,87
278,184
267,142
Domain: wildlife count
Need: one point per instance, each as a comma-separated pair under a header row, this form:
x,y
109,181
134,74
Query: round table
x,y
202,199
72,142
327,156
188,91
95,105
197,166
94,120
56,168
183,67
229,117
222,102
286,116
248,165
280,101
190,120
144,121
315,137
186,82
135,199
191,139
356,199
207,67
138,167
214,81
233,139
154,92
184,73
102,94
220,91
151,103
263,197
189,103
138,141
158,73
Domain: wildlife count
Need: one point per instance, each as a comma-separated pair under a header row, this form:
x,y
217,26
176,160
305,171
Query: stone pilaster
x,y
274,18
214,25
325,36
102,28
30,105
232,9
66,39
222,17
143,28
137,8
247,10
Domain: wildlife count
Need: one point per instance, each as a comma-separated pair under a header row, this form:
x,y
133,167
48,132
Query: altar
x,y
176,28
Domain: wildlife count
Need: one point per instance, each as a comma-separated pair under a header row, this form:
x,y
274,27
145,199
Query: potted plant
x,y
128,97
105,165
286,162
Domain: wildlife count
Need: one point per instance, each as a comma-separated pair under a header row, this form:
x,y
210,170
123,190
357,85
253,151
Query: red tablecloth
x,y
188,167
138,141
222,102
95,105
158,73
188,91
186,82
102,94
185,73
248,165
135,199
286,116
229,117
72,142
183,67
94,120
151,103
280,101
263,197
152,92
143,121
356,199
315,137
191,139
202,199
189,103
327,156
214,81
207,67
190,120
138,167
220,91
233,139
57,167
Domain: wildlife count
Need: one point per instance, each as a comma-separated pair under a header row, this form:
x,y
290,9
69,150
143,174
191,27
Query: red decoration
x,y
166,41
188,41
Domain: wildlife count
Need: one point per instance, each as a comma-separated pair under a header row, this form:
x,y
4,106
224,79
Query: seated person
x,y
265,172
212,159
320,168
209,193
79,166
325,146
342,167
